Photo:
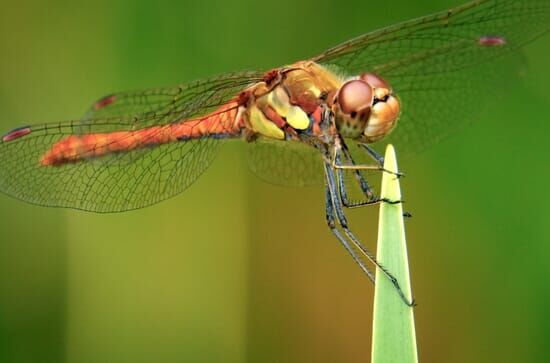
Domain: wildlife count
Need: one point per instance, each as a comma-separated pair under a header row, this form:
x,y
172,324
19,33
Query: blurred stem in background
x,y
143,288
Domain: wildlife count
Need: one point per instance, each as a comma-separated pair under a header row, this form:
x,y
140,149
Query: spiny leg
x,y
342,221
377,157
369,194
365,187
342,239
373,154
380,160
366,167
367,191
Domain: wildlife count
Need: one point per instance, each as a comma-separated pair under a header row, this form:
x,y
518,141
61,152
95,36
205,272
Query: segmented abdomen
x,y
224,121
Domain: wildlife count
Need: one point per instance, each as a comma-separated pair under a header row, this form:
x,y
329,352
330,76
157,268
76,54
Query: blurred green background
x,y
235,270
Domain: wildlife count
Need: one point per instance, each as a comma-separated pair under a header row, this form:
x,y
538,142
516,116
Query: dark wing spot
x,y
492,41
105,101
16,133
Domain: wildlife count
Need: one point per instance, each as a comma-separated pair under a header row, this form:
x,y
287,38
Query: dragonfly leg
x,y
369,194
334,207
365,187
365,167
332,225
373,153
352,166
380,159
377,157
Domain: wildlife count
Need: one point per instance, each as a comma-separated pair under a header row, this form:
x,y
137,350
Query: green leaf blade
x,y
394,336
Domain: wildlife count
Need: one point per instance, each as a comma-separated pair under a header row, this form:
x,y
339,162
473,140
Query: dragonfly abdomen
x,y
224,122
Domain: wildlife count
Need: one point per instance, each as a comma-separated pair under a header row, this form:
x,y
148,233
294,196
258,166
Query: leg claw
x,y
389,201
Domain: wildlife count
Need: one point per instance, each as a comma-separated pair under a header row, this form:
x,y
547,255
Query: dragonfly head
x,y
365,107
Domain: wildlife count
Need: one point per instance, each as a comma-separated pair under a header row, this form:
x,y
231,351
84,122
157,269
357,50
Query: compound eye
x,y
354,97
374,80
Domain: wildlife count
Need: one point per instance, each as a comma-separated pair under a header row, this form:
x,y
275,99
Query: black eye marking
x,y
383,99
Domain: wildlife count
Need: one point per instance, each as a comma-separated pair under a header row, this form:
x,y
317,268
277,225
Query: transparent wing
x,y
159,106
445,66
125,180
285,163
289,163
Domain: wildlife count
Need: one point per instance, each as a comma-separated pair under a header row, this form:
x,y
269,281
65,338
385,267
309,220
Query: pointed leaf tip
x,y
394,337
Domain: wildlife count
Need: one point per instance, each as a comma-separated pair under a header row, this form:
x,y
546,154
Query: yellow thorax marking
x,y
295,116
263,126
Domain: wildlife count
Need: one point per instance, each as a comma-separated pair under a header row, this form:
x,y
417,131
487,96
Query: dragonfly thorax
x,y
365,107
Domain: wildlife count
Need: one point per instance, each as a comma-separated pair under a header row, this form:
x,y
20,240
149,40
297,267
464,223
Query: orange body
x,y
226,120
252,110
287,103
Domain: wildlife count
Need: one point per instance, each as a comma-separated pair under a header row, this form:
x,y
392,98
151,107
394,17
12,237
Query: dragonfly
x,y
410,84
